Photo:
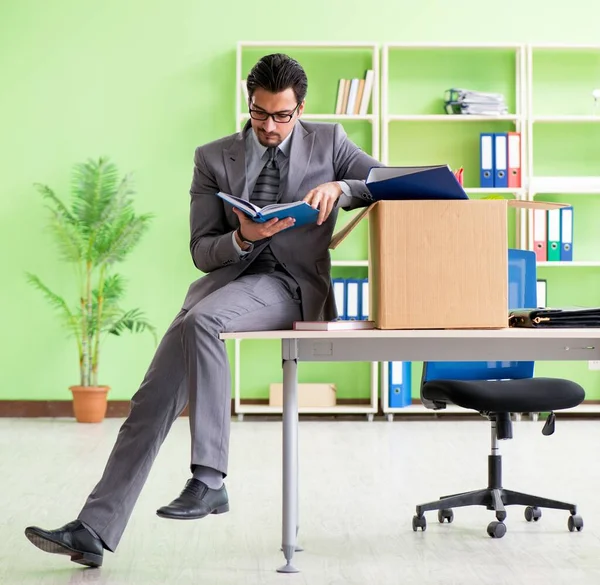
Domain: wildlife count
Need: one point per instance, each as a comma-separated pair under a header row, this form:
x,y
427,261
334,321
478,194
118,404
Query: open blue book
x,y
397,183
301,211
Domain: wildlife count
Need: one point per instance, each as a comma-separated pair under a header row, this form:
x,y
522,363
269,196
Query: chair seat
x,y
525,395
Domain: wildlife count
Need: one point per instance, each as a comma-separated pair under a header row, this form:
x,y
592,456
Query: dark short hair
x,y
276,73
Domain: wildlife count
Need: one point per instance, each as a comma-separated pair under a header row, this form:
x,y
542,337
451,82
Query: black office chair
x,y
496,389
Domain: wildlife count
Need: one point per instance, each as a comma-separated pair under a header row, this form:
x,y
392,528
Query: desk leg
x,y
298,547
290,460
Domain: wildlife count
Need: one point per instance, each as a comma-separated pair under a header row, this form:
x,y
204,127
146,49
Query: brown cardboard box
x,y
438,264
311,395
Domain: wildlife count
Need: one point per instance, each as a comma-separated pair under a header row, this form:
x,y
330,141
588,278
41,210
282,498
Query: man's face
x,y
283,104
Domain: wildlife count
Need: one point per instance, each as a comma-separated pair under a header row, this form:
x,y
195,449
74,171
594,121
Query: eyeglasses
x,y
278,117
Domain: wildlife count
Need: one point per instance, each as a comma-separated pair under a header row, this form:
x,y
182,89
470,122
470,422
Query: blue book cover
x,y
300,210
405,183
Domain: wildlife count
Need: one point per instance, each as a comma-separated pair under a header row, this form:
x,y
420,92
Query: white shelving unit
x,y
562,119
568,186
389,116
382,116
449,118
369,410
525,120
532,118
373,118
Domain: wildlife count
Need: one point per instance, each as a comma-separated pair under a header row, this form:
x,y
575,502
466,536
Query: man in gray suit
x,y
257,276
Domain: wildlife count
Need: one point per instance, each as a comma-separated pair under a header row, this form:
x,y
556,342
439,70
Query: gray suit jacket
x,y
319,153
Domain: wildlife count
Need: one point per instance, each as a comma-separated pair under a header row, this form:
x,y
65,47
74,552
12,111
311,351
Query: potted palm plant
x,y
95,232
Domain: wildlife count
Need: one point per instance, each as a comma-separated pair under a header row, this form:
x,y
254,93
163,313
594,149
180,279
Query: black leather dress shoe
x,y
197,500
73,540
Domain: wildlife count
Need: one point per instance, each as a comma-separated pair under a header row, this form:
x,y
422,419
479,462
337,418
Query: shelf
x,y
349,263
340,117
340,409
580,409
563,46
572,264
308,44
451,118
564,185
556,191
494,191
442,45
572,119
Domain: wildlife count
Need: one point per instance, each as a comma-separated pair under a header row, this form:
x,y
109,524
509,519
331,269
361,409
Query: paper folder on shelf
x,y
554,235
339,294
486,159
353,292
542,292
566,234
364,299
540,237
500,160
514,160
399,384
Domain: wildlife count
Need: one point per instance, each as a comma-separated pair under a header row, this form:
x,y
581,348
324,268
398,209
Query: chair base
x,y
495,497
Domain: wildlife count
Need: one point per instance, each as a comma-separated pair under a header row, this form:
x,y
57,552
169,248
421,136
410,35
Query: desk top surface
x,y
505,333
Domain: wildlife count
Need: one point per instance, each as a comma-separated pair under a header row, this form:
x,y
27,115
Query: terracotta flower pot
x,y
89,403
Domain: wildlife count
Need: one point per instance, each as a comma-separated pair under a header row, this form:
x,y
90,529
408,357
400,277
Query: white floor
x,y
360,482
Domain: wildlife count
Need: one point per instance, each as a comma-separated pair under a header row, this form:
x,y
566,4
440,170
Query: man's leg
x,y
250,303
160,399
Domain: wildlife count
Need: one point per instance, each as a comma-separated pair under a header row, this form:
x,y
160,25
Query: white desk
x,y
408,345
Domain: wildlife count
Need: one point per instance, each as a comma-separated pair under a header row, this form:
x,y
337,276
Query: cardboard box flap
x,y
340,236
519,203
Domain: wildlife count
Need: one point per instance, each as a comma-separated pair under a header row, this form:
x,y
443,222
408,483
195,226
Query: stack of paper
x,y
478,103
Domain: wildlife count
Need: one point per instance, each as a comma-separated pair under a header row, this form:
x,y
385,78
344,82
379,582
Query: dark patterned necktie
x,y
266,189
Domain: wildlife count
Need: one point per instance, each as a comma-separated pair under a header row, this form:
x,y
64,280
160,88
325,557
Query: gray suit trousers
x,y
190,365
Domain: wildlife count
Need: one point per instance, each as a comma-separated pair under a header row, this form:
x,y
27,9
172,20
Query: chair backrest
x,y
522,293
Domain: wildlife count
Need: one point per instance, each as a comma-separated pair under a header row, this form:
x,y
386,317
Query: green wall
x,y
145,83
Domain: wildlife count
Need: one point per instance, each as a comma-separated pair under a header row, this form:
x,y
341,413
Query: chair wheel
x,y
532,514
419,522
496,529
575,523
446,514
